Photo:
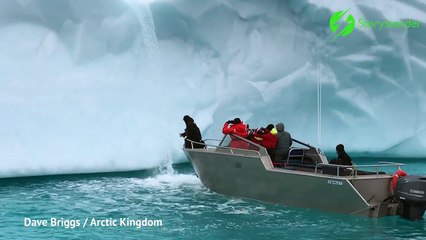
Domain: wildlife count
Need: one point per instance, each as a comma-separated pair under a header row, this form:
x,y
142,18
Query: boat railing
x,y
259,151
296,153
211,140
236,151
355,170
202,143
246,147
301,143
377,167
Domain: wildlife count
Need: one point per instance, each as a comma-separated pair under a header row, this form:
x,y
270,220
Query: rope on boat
x,y
319,106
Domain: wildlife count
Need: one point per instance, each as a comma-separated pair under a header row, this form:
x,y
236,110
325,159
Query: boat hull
x,y
254,177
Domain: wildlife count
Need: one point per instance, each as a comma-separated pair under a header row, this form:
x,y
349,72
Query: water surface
x,y
186,209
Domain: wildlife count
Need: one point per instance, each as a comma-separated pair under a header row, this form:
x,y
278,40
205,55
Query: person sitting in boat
x,y
342,157
192,132
283,144
236,127
267,137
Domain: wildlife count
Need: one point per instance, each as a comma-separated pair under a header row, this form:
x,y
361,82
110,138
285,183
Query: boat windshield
x,y
234,141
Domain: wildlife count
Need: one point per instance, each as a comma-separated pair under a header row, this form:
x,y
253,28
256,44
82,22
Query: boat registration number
x,y
335,182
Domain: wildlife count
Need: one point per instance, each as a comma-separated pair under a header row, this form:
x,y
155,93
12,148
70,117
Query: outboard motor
x,y
410,190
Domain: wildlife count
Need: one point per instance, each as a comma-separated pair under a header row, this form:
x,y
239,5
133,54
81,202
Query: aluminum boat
x,y
305,179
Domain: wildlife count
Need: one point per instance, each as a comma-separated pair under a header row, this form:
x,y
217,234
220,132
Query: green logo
x,y
349,24
334,25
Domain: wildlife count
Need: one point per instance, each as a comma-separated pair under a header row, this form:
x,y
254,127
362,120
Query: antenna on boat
x,y
319,110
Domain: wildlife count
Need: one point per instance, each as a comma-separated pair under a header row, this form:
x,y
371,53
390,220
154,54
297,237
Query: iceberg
x,y
94,86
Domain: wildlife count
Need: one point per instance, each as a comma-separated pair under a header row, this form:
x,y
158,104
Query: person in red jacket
x,y
236,127
267,137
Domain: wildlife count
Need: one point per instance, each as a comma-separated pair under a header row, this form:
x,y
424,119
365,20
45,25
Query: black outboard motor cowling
x,y
410,190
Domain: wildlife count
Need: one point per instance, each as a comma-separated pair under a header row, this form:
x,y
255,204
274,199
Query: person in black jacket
x,y
342,157
192,132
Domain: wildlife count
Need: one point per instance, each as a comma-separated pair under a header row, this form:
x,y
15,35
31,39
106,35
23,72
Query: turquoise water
x,y
187,210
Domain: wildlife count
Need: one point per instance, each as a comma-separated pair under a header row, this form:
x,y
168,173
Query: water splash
x,y
166,166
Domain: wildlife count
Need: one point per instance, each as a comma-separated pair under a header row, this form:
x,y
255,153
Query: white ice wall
x,y
102,85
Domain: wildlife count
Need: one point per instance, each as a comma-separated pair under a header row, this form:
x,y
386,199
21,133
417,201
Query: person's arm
x,y
348,159
227,129
344,159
